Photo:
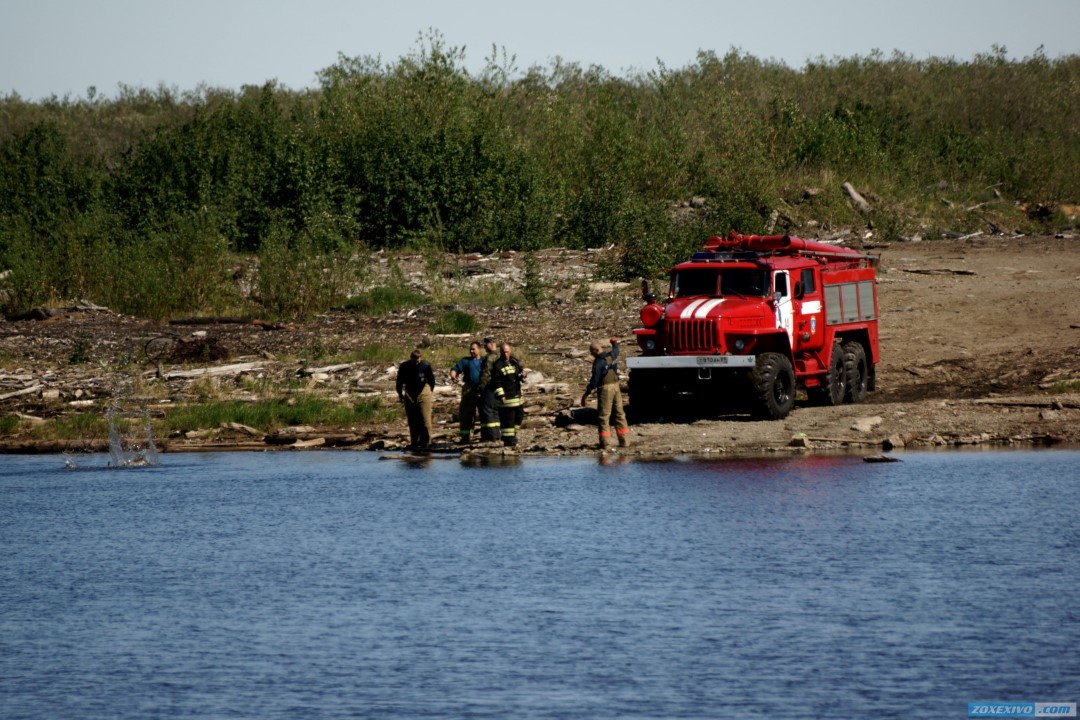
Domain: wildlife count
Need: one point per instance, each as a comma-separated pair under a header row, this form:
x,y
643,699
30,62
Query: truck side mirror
x,y
647,296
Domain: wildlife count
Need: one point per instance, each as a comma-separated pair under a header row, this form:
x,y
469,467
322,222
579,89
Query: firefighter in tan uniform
x,y
609,404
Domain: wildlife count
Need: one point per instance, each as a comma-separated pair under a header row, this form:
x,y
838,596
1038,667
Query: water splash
x,y
127,454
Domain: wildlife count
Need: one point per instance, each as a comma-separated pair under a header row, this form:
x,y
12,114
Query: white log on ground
x,y
25,391
234,369
858,200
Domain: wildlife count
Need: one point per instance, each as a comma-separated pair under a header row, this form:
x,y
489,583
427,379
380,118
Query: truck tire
x,y
773,382
857,373
835,388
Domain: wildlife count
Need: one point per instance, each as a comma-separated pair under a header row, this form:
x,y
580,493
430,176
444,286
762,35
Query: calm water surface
x,y
339,584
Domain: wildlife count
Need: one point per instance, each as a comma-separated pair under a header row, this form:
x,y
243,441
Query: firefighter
x,y
609,404
467,372
506,377
415,389
489,414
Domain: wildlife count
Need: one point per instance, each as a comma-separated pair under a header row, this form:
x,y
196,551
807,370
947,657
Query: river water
x,y
344,584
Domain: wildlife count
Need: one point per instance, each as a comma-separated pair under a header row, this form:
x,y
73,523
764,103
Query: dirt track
x,y
974,335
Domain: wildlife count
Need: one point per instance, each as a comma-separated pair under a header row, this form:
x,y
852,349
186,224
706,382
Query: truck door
x,y
782,298
809,319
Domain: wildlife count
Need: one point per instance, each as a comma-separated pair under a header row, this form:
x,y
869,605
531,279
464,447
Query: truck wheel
x,y
835,387
773,381
857,374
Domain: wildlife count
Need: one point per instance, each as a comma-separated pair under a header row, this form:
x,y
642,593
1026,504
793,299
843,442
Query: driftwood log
x,y
234,369
858,200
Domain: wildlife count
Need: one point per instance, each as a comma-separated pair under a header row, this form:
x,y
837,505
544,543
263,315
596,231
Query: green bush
x,y
298,278
140,201
533,287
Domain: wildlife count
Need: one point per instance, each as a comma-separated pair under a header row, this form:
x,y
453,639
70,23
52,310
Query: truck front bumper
x,y
669,362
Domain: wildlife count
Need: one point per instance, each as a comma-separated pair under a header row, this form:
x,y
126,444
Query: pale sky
x,y
63,47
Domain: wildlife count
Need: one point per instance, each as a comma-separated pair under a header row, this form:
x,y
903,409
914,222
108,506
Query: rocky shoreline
x,y
980,347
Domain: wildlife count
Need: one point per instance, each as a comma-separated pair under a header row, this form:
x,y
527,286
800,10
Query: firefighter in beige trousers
x,y
609,404
415,383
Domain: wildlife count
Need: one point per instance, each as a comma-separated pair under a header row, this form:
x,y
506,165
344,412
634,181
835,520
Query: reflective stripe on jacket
x,y
506,379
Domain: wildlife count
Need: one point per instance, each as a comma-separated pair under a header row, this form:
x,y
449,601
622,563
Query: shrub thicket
x,y
141,202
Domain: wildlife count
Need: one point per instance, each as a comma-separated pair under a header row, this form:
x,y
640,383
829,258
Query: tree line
x,y
148,201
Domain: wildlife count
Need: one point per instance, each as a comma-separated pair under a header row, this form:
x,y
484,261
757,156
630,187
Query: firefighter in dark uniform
x,y
489,414
609,404
506,377
415,389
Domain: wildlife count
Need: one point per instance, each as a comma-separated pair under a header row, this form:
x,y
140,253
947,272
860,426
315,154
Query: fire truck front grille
x,y
692,335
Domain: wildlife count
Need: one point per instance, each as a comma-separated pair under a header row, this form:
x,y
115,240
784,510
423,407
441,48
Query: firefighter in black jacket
x,y
415,383
489,414
506,377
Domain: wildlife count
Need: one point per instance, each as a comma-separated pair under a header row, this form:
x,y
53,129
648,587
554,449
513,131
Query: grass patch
x,y
455,322
1066,386
80,351
384,300
80,426
8,425
487,293
268,415
442,358
377,353
321,348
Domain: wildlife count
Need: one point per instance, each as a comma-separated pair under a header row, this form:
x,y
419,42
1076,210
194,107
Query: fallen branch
x,y
1053,404
212,320
943,271
223,320
234,369
46,313
845,441
24,391
329,370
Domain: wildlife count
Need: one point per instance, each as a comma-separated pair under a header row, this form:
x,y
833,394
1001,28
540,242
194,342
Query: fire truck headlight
x,y
650,345
651,314
739,344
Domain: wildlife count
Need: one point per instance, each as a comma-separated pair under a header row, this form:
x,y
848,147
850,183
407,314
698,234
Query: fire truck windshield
x,y
714,282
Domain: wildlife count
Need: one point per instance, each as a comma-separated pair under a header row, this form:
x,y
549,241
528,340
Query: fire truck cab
x,y
749,318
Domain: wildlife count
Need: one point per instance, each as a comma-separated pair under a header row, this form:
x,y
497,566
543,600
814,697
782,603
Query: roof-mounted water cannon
x,y
784,244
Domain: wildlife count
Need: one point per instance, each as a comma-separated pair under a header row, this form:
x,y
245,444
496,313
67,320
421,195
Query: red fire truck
x,y
747,318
